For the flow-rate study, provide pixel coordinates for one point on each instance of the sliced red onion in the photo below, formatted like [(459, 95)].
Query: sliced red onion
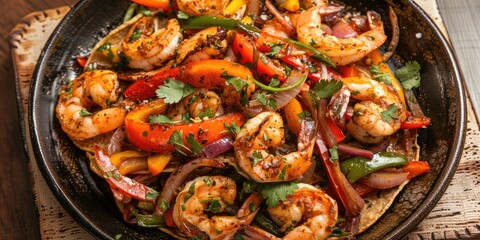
[(355, 151), (176, 179), (115, 144), (343, 30), (384, 180), (324, 72), (283, 98), (338, 104), (217, 148), (395, 35)]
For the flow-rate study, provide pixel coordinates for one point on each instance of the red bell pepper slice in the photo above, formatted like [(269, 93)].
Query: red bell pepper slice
[(145, 88), (121, 183), (155, 137), (416, 168), (415, 123), (207, 73), (168, 217), (335, 130), (244, 49), (349, 71), (81, 61)]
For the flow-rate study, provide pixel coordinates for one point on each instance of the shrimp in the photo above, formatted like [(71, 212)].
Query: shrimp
[(146, 48), (202, 8), (340, 51), (312, 208), (207, 44), (211, 194), (265, 131), (201, 102), (379, 113), (95, 88)]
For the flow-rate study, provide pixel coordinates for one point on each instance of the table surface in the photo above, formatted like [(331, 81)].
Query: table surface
[(18, 219)]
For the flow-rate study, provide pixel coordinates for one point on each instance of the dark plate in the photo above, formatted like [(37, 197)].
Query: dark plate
[(65, 168)]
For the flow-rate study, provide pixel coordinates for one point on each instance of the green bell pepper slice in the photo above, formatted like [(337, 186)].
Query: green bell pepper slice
[(358, 167)]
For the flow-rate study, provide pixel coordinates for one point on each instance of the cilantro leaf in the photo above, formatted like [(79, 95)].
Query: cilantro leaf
[(207, 113), (159, 119), (247, 188), (409, 75), (233, 129), (190, 192), (303, 115), (276, 192), (275, 49), (237, 82), (388, 114), (173, 91), (256, 157), (326, 89), (176, 139), (378, 75), (164, 205), (195, 147), (274, 82), (268, 102), (215, 206)]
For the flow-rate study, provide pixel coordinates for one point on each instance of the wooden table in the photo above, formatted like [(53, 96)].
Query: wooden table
[(18, 218)]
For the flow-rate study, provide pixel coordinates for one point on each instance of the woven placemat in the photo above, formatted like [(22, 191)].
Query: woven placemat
[(457, 215)]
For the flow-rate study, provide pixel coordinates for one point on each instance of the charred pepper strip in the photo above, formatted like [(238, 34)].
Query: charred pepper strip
[(358, 167)]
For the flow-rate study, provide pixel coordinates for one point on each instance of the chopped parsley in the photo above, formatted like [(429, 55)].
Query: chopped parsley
[(191, 191), (173, 91), (388, 114), (164, 205), (252, 207), (303, 115), (209, 181), (409, 75), (176, 139), (274, 82), (276, 192), (151, 195)]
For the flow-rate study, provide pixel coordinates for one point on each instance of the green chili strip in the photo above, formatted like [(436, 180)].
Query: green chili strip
[(267, 224), (316, 54), (282, 89), (227, 23), (129, 13), (150, 221), (358, 167)]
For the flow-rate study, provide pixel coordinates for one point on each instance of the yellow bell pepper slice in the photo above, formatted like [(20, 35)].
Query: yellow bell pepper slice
[(292, 109), (158, 162)]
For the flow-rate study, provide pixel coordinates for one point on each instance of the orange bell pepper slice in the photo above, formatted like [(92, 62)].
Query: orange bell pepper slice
[(416, 168), (155, 137), (159, 4), (206, 74), (244, 49), (377, 59)]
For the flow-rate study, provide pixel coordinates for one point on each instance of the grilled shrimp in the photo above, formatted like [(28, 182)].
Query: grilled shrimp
[(266, 131), (209, 43), (379, 113), (309, 211), (202, 8), (210, 194), (340, 51), (95, 88), (146, 47), (200, 102)]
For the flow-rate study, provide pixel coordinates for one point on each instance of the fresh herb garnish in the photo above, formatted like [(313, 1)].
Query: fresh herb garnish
[(409, 75), (173, 91), (276, 192), (84, 113), (388, 114), (159, 119)]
